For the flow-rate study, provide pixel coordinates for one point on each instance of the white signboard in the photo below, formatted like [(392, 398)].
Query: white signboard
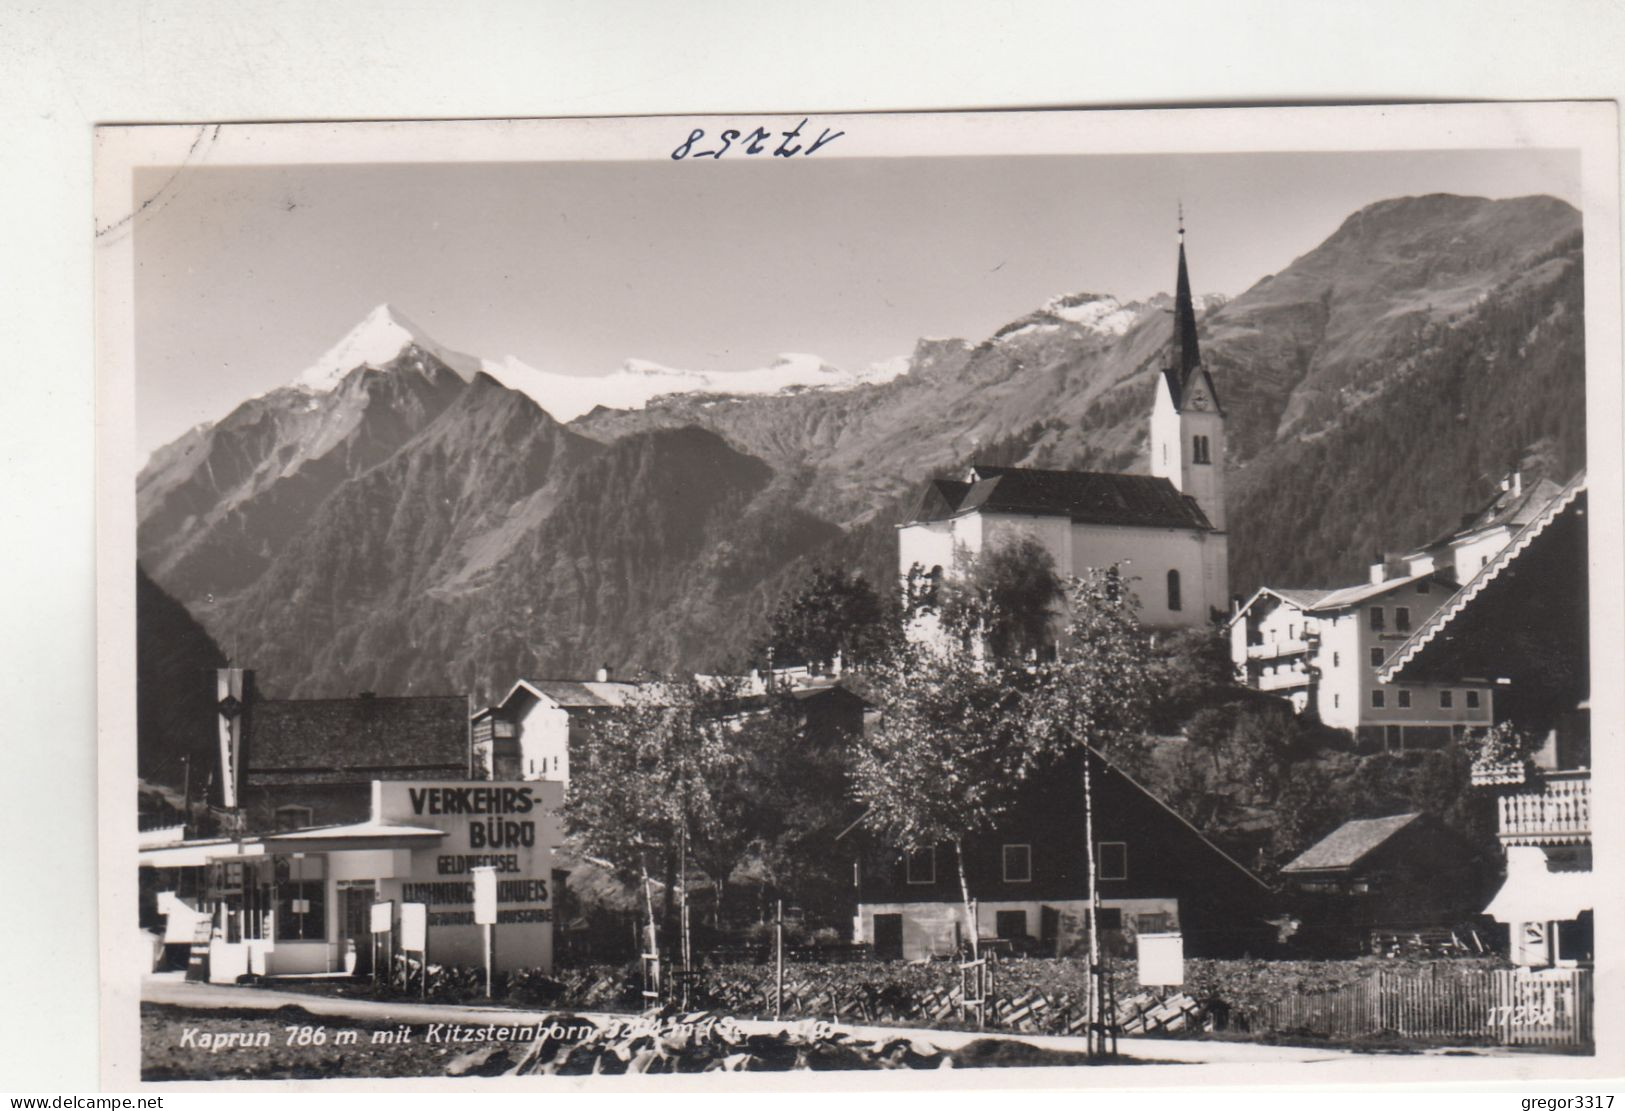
[(1161, 959), (509, 828), (414, 927), (485, 896), (383, 917)]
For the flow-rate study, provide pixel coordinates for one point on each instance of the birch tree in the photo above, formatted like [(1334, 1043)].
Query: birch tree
[(964, 726), (658, 778)]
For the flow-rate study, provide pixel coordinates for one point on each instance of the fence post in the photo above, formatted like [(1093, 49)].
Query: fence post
[(778, 949)]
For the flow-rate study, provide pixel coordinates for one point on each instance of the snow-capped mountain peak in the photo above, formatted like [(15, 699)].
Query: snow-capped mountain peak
[(382, 334), (386, 332), (638, 382), (1098, 312)]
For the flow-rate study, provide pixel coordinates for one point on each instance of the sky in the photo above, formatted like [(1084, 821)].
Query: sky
[(246, 275)]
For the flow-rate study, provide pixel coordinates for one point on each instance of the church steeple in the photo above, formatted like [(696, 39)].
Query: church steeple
[(1186, 355), (1187, 423)]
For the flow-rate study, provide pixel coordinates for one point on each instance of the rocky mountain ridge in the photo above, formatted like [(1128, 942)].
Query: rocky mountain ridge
[(416, 527)]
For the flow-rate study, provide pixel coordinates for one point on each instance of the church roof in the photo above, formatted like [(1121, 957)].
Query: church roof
[(1185, 354), (1087, 497)]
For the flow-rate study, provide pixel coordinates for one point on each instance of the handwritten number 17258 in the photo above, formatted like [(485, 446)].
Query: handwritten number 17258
[(753, 143)]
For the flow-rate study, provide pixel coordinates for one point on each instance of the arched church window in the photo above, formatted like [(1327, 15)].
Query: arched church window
[(1199, 450), (1174, 600)]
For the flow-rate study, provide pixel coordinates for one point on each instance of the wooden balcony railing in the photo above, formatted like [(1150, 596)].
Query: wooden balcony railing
[(1559, 812)]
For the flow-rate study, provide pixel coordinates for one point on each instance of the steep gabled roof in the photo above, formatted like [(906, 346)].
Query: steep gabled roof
[(1509, 508), (1349, 844), (575, 694), (1107, 767), (1535, 525), (357, 733), (1300, 597), (1364, 592), (1087, 497), (939, 500), (1304, 597)]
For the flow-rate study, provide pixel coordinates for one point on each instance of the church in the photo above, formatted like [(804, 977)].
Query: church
[(1166, 530)]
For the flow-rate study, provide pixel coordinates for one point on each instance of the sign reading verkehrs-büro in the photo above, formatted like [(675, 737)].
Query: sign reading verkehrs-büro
[(511, 828)]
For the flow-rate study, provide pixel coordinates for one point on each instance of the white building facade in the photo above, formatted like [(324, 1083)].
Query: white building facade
[(1330, 650), (1164, 531), (1325, 650)]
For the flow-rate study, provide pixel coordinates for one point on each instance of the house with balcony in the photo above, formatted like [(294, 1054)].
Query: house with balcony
[(1521, 623), (1324, 649), (1330, 650)]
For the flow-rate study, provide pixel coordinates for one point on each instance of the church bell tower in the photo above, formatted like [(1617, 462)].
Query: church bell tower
[(1187, 422)]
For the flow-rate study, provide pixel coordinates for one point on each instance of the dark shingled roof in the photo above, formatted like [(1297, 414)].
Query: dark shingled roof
[(1509, 508), (369, 733), (585, 693), (1349, 844), (1087, 497)]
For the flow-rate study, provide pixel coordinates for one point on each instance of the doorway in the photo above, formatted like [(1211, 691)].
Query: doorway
[(889, 937), (356, 929)]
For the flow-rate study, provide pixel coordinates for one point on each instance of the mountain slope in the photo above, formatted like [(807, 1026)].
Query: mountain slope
[(217, 505), (175, 659), (413, 527)]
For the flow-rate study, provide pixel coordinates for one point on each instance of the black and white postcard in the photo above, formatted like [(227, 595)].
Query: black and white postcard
[(1100, 598)]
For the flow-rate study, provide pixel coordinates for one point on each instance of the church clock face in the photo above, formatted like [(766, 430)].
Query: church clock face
[(1198, 401)]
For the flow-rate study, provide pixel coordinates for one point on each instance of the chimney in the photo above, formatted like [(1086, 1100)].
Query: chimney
[(603, 673), (1379, 570)]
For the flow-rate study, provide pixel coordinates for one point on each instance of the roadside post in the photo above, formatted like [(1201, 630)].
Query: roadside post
[(485, 913), (778, 976), (415, 939), (382, 923)]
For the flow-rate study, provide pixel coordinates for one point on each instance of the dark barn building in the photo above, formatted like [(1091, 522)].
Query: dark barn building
[(1156, 874), (1378, 880)]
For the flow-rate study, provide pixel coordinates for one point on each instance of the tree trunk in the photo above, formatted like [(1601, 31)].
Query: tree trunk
[(1094, 1040), (964, 891), (668, 905), (649, 900)]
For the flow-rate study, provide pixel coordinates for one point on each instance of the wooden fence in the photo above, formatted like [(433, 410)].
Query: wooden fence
[(1500, 1006)]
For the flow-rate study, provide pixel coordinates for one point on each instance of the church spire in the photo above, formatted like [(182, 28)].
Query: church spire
[(1186, 356)]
